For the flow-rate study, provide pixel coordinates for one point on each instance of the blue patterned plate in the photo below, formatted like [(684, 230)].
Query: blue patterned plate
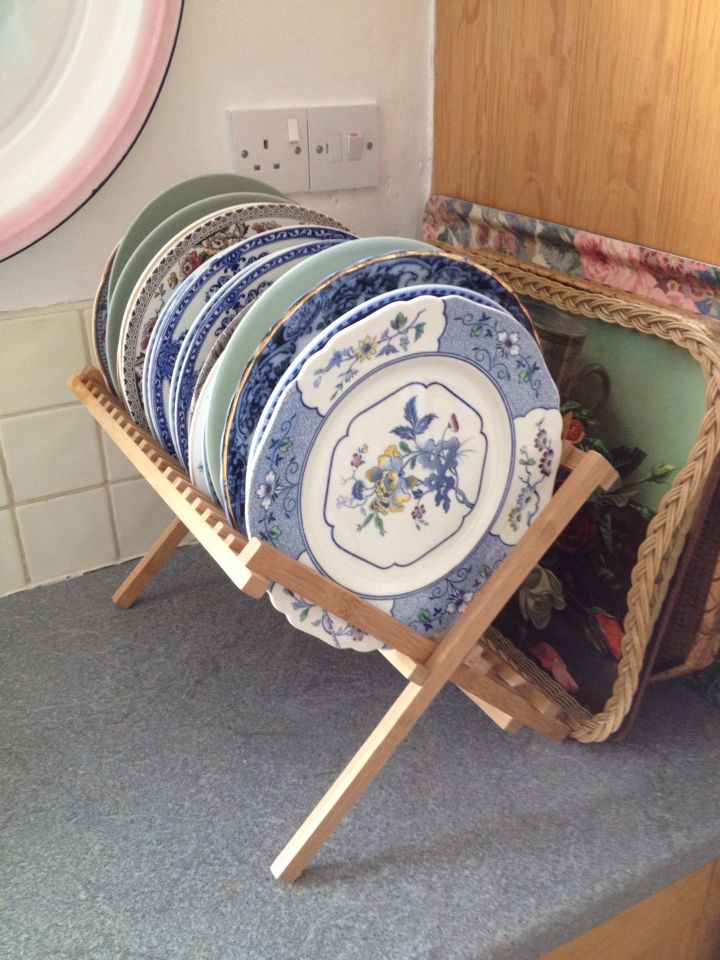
[(352, 316), (280, 353), (229, 302), (408, 457), (263, 315), (123, 287), (178, 315), (228, 221)]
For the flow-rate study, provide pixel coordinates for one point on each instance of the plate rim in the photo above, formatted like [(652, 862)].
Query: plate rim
[(528, 323), (164, 233), (98, 342), (149, 217)]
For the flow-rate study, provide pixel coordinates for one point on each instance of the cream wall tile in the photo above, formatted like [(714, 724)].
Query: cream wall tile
[(66, 535), (140, 516), (38, 354), (118, 465), (12, 576), (4, 495), (52, 452)]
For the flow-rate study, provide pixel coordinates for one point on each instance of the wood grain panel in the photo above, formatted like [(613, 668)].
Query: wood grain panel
[(680, 922), (594, 113)]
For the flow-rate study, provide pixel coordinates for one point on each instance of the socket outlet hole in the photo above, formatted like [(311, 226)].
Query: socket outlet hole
[(276, 166), (256, 166), (265, 145)]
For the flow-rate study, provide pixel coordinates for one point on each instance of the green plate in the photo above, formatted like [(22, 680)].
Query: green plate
[(659, 411), (144, 254), (174, 199), (656, 402), (267, 310)]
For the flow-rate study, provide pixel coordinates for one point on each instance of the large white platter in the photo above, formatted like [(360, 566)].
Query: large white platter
[(80, 78)]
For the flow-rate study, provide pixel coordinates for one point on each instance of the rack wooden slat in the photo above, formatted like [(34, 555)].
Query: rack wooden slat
[(459, 657)]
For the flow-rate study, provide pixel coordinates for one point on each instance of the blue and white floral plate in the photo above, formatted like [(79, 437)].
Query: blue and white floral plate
[(177, 316), (334, 296), (230, 301), (280, 356), (266, 312), (199, 410), (410, 454)]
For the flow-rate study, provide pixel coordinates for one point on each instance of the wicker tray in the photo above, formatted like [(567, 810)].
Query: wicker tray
[(688, 637)]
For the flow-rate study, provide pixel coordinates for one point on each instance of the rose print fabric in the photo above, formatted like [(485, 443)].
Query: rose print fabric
[(670, 279)]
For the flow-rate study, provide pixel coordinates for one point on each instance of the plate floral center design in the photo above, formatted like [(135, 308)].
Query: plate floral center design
[(410, 459)]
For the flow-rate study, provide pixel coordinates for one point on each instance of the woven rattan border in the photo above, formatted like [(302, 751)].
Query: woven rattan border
[(659, 551)]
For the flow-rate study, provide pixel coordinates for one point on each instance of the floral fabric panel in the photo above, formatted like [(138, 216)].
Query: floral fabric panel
[(670, 279)]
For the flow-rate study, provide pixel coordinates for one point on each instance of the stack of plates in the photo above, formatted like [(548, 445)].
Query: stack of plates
[(375, 408)]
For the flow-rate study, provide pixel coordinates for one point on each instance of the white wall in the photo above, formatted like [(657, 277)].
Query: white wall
[(235, 53), (68, 500)]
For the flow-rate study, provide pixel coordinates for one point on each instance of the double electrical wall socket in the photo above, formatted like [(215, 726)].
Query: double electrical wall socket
[(344, 146), (304, 149), (272, 145)]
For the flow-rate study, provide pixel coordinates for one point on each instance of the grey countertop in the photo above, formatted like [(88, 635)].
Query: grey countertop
[(156, 760)]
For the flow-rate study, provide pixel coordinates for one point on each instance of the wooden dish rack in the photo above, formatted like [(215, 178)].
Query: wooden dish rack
[(460, 656)]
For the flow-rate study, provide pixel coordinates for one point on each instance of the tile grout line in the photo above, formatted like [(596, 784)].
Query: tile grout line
[(48, 409), (48, 497), (14, 520), (108, 496), (32, 584), (80, 309), (6, 477), (65, 576), (27, 313)]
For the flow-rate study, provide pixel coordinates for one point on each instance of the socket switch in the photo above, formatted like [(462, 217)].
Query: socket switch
[(344, 146), (272, 145)]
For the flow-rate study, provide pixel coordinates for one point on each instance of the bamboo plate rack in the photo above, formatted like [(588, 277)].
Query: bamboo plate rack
[(459, 657)]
